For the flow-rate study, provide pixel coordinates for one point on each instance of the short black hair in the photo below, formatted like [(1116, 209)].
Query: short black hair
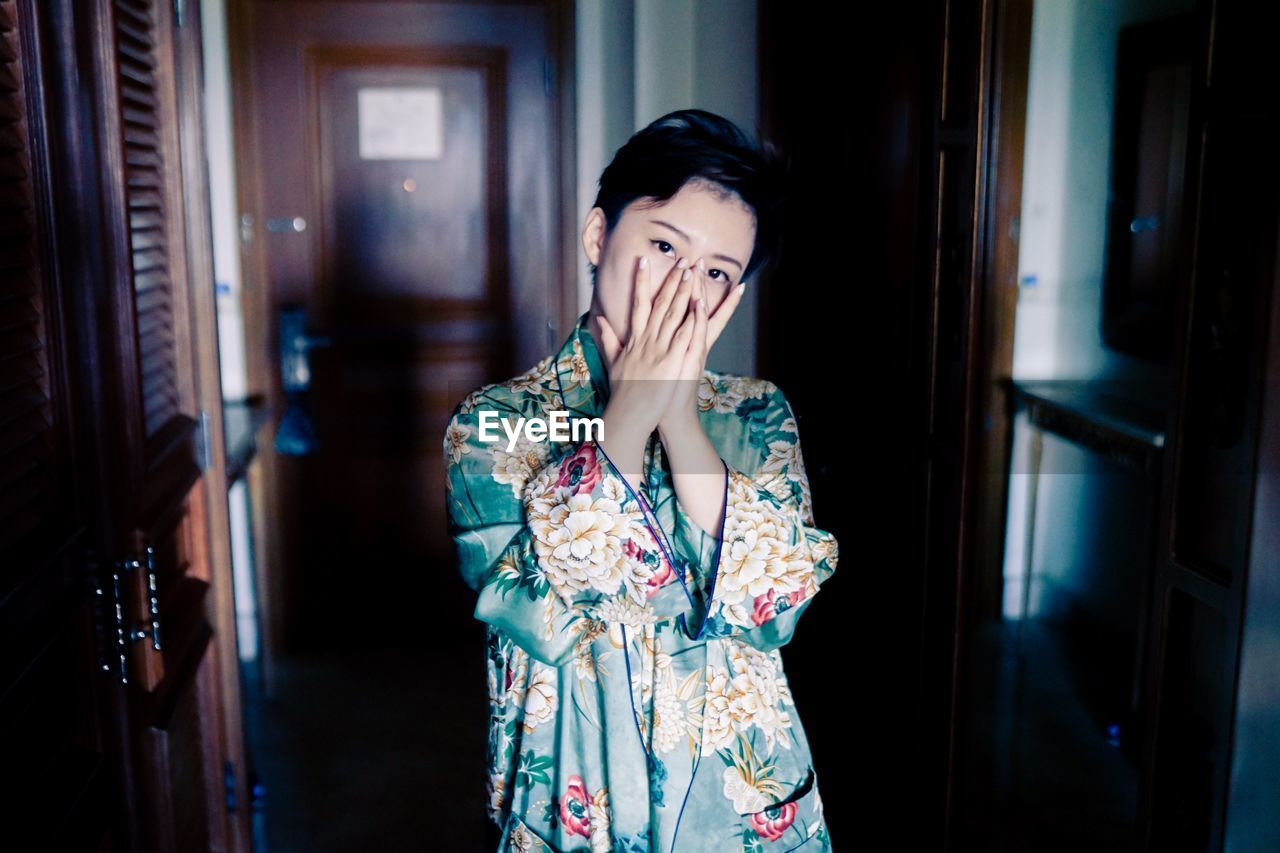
[(698, 145)]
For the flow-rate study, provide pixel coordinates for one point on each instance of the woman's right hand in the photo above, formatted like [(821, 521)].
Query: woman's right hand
[(644, 371)]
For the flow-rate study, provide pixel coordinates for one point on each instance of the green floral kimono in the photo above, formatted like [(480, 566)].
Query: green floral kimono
[(637, 696)]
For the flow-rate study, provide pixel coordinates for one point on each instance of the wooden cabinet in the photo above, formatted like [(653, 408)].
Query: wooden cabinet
[(120, 674)]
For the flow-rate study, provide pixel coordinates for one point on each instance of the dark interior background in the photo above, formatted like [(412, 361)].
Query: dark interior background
[(847, 342)]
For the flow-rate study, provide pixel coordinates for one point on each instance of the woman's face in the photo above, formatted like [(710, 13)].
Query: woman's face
[(700, 221)]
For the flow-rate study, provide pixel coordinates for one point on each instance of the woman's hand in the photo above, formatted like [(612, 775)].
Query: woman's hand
[(682, 408), (697, 470), (644, 372)]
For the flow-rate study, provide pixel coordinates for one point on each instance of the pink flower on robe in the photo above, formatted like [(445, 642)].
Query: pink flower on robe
[(773, 821), (581, 471), (662, 573), (767, 608), (575, 812)]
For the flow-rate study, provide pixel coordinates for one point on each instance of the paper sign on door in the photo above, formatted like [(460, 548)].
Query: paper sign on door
[(401, 123)]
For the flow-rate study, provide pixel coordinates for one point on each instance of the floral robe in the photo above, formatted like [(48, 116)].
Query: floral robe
[(637, 696)]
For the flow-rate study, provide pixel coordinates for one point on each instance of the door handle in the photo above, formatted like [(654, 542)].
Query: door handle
[(296, 433), (295, 345), (286, 225)]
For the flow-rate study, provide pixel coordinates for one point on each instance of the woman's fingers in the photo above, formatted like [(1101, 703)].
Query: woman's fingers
[(677, 309), (693, 288), (700, 343), (700, 335), (662, 299), (684, 335)]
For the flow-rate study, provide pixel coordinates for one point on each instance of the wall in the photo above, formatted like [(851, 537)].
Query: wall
[(1090, 513), (226, 271), (1070, 99)]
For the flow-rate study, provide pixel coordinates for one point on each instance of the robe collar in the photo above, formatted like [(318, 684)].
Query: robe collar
[(581, 378)]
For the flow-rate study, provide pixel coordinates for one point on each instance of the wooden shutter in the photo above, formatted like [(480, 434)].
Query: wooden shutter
[(145, 85), (177, 689)]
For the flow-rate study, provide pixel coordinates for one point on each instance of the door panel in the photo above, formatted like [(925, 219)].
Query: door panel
[(181, 772), (1200, 592), (412, 229), (111, 697), (1212, 473)]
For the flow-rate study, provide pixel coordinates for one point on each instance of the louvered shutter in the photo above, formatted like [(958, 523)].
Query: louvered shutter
[(152, 226)]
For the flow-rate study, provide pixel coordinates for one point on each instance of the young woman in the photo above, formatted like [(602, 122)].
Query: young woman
[(638, 584)]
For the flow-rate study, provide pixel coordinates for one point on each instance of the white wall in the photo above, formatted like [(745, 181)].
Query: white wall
[(1070, 99), (640, 59), (222, 189), (226, 270), (1087, 511)]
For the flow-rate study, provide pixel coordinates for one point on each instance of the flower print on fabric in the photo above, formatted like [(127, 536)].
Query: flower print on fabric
[(637, 696)]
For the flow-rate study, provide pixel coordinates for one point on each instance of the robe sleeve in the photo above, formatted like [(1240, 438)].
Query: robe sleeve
[(553, 539), (769, 559)]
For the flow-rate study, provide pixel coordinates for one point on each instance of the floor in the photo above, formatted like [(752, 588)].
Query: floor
[(384, 750), (1046, 772), (371, 750)]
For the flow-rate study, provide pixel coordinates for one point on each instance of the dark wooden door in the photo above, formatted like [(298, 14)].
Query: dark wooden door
[(934, 149), (55, 708), (158, 486), (115, 682), (1221, 422), (408, 158)]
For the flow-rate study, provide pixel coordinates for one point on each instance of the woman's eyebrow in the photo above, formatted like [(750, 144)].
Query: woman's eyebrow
[(685, 237)]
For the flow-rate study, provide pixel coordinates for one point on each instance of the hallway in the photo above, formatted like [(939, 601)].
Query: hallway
[(1027, 323), (1045, 776), (350, 751)]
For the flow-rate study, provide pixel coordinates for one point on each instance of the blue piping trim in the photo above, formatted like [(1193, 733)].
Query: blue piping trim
[(626, 644), (693, 772), (626, 651), (651, 518), (702, 629), (649, 761), (648, 513)]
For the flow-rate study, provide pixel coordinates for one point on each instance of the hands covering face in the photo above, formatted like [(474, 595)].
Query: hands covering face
[(671, 334)]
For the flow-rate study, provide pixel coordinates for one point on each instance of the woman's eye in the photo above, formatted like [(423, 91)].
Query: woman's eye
[(664, 246)]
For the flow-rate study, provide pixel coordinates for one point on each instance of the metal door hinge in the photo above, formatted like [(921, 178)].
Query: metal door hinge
[(117, 624)]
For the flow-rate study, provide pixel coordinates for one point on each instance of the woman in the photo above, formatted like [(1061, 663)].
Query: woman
[(637, 584)]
